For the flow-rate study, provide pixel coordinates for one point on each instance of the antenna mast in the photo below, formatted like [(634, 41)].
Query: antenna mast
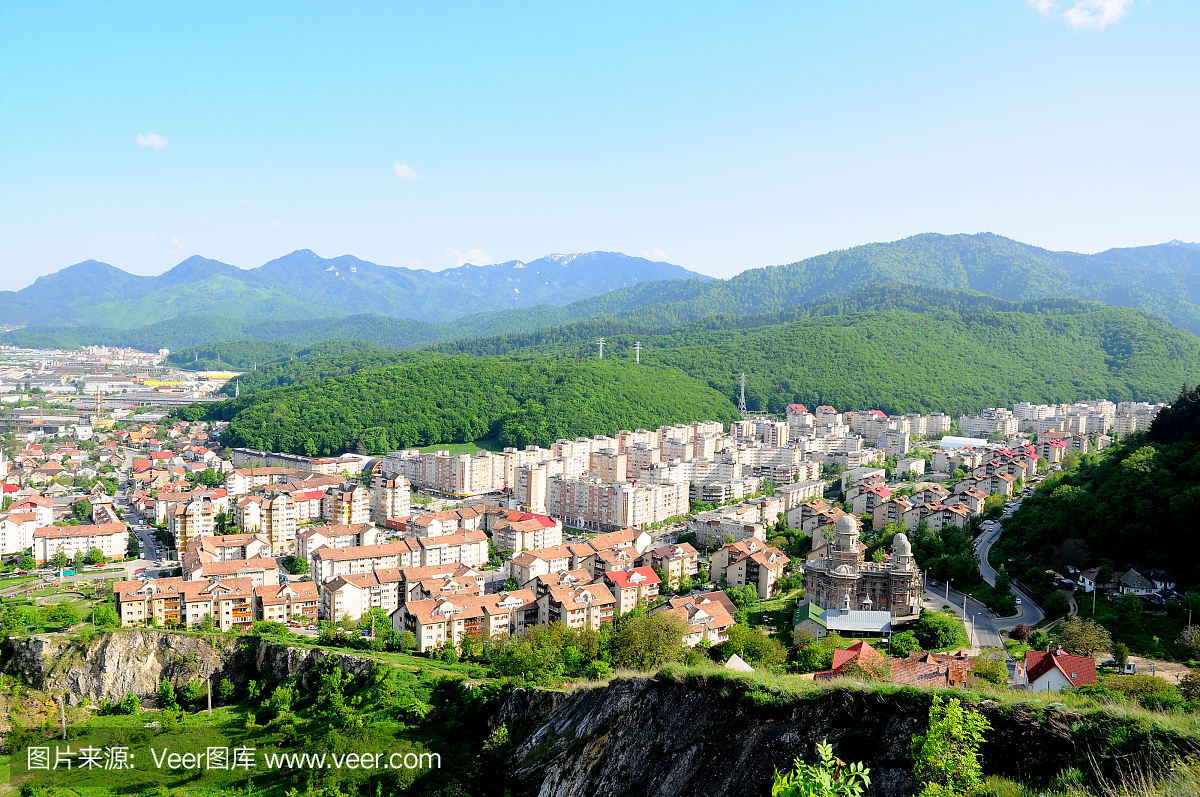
[(601, 342), (637, 351), (742, 400)]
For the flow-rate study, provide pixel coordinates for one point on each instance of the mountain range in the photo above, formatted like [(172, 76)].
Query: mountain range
[(303, 285), (479, 301)]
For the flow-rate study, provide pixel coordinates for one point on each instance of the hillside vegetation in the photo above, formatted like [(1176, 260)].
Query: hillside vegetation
[(978, 352), (456, 399), (1135, 505)]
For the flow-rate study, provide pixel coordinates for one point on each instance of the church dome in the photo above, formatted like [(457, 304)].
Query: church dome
[(844, 570), (901, 545), (847, 524)]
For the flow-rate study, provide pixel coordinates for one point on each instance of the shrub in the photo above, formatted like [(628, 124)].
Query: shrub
[(1038, 640), (940, 630), (1020, 632), (165, 697), (947, 757), (903, 644), (225, 690), (828, 778)]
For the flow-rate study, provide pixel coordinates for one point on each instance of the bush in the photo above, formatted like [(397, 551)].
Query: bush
[(597, 671), (225, 690), (946, 759), (1020, 632), (828, 778), (165, 697), (1038, 640), (1057, 605), (903, 644), (940, 630)]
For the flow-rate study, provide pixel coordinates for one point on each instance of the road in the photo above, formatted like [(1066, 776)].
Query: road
[(1027, 611)]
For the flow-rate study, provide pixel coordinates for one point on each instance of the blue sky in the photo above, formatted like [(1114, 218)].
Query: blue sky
[(717, 137)]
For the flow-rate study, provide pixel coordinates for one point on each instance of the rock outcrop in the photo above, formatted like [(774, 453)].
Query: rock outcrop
[(112, 665), (716, 738)]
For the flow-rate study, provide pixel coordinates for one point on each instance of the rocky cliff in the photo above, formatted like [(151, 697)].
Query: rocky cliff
[(110, 666), (718, 738)]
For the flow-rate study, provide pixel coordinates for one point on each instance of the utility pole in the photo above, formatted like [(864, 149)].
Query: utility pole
[(601, 342), (637, 351), (742, 400), (62, 708), (209, 684)]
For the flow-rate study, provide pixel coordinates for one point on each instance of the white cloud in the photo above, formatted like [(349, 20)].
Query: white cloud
[(1098, 14), (152, 140), (174, 242), (406, 172), (655, 254), (276, 224), (476, 257)]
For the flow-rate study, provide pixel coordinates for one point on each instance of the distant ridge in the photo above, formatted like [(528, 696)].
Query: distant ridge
[(302, 285)]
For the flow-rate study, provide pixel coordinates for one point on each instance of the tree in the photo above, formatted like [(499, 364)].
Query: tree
[(1020, 632), (27, 562), (510, 584), (1120, 654), (946, 759), (81, 510), (991, 666), (743, 597), (828, 778), (940, 630), (646, 643), (209, 478), (296, 565), (1190, 639), (165, 697), (95, 557), (993, 506), (132, 546), (105, 616), (130, 704), (1081, 637), (63, 614), (405, 641), (225, 690), (903, 644), (60, 560), (1057, 604), (1038, 640), (1129, 611)]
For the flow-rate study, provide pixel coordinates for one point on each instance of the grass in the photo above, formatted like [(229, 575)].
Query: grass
[(1016, 649), (463, 448), (779, 611)]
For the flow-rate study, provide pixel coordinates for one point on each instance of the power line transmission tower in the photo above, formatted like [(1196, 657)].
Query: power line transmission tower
[(637, 351), (601, 342), (742, 399)]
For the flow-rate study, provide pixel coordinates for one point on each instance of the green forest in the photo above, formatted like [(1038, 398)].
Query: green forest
[(1135, 505), (252, 353), (459, 399), (896, 360)]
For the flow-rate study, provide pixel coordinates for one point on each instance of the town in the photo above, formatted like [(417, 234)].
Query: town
[(798, 544)]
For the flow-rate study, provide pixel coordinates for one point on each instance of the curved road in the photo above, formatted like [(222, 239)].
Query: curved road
[(1027, 612)]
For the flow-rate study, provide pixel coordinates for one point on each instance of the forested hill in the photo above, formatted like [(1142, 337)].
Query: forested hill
[(984, 354), (455, 399)]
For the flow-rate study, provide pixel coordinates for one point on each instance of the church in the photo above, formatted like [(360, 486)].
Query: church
[(840, 578)]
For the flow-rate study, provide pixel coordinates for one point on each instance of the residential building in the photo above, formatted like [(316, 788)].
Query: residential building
[(173, 601), (347, 504), (282, 603), (588, 606), (749, 562), (111, 538), (673, 561), (1055, 671), (390, 496), (445, 621), (632, 586), (314, 537), (705, 617)]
